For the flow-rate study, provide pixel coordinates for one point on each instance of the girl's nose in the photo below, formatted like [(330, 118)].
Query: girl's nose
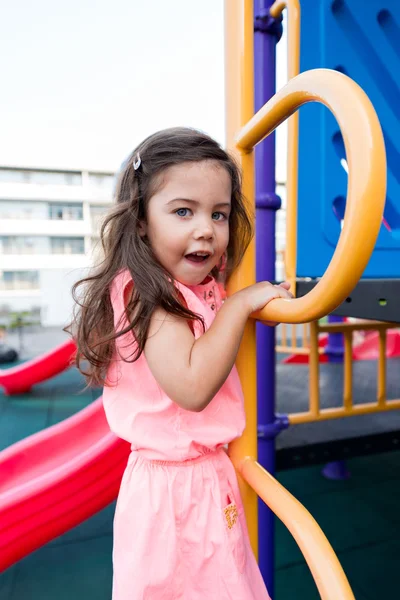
[(204, 230)]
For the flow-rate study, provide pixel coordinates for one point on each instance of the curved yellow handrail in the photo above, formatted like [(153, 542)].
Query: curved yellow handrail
[(293, 61), (366, 192), (321, 559)]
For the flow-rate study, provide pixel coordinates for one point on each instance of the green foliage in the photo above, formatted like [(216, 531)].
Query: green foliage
[(22, 318)]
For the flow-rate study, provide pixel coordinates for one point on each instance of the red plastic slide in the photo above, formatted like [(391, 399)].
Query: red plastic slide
[(54, 479), (20, 379), (368, 349)]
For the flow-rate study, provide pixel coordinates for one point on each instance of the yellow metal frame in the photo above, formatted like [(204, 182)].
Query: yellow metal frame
[(293, 56), (310, 348), (315, 413), (289, 343), (365, 202)]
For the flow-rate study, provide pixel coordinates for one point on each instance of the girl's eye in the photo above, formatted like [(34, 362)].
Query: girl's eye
[(182, 212), (219, 216)]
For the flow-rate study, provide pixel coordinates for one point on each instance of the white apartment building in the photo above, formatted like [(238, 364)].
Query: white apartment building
[(49, 223)]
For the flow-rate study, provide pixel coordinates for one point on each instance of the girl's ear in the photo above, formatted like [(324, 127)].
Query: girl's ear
[(142, 229)]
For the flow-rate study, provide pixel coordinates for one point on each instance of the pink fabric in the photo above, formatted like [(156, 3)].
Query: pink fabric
[(179, 529)]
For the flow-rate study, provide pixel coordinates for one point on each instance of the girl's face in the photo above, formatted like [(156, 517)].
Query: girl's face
[(188, 219)]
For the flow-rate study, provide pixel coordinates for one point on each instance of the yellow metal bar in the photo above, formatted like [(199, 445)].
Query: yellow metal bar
[(293, 34), (325, 568), (381, 391), (305, 336), (327, 414), (366, 159), (298, 350), (294, 337), (348, 371), (363, 326), (314, 369), (293, 53), (284, 334), (239, 26)]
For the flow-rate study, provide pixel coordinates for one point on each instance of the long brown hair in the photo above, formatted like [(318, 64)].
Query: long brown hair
[(123, 248)]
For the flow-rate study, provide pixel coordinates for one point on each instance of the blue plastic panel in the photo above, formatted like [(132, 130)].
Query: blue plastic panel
[(360, 38)]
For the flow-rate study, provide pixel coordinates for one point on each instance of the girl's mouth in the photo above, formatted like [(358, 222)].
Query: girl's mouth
[(197, 257)]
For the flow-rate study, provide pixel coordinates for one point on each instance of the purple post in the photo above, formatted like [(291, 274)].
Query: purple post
[(335, 347), (336, 470), (267, 32), (335, 351)]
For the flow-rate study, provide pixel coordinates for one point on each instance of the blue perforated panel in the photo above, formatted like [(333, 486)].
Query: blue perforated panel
[(361, 38)]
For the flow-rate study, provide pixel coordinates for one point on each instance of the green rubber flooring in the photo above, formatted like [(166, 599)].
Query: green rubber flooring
[(360, 517)]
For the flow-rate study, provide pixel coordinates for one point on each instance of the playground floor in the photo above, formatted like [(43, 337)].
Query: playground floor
[(360, 517)]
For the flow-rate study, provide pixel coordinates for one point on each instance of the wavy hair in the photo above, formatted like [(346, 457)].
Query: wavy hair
[(92, 324)]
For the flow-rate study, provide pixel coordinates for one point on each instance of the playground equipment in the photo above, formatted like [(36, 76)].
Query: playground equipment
[(359, 39), (368, 347), (54, 479), (315, 413), (349, 259), (20, 379), (314, 215)]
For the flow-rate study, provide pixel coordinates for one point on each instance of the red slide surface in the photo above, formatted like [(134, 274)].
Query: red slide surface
[(368, 349), (54, 479), (20, 379)]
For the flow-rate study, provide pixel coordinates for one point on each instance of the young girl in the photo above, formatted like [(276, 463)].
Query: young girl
[(155, 330)]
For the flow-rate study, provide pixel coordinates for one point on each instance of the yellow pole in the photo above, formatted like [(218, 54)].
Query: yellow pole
[(293, 53), (240, 109), (314, 369), (348, 371), (382, 368)]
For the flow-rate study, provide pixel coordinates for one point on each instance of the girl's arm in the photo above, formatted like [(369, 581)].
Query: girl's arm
[(192, 371)]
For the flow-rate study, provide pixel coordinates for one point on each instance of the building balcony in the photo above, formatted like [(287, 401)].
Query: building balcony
[(26, 262), (48, 227)]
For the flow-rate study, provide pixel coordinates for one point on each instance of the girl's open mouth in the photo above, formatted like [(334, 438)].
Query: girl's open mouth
[(197, 257)]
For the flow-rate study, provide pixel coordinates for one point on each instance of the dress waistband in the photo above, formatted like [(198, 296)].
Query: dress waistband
[(136, 454)]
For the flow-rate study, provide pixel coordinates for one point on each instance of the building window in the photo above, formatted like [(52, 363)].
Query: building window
[(24, 244), (19, 280), (67, 245), (66, 212), (40, 177), (23, 209), (14, 176)]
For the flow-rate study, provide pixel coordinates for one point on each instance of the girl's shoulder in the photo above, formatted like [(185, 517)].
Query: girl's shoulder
[(120, 281), (120, 290)]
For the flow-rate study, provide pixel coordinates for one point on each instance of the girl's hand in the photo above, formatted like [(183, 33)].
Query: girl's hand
[(257, 296)]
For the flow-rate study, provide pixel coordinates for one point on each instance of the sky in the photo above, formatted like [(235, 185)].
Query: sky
[(84, 81)]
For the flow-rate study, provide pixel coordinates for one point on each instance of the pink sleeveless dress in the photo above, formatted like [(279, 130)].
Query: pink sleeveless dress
[(179, 529)]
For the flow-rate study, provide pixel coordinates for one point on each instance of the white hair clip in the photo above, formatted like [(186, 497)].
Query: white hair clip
[(137, 161)]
